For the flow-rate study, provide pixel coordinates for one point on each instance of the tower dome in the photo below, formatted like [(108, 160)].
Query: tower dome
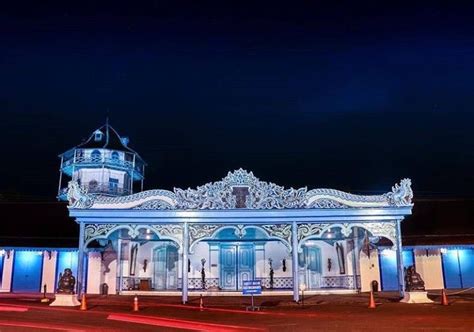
[(104, 165)]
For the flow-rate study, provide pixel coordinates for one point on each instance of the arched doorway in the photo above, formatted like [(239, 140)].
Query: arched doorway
[(309, 263), (233, 254), (135, 258), (237, 262), (165, 262)]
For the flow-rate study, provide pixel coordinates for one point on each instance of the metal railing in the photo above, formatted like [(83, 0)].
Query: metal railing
[(82, 158)]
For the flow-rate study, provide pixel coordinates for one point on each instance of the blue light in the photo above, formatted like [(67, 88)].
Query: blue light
[(27, 257)]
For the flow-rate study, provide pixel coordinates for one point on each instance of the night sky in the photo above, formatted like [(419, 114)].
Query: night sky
[(352, 97)]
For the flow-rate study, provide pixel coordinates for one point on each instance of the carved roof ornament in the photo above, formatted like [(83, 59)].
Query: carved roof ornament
[(402, 194), (78, 197), (241, 189)]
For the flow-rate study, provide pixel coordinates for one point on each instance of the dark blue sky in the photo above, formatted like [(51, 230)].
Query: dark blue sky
[(353, 97)]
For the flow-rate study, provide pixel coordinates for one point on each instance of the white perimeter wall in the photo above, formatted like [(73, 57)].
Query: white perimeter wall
[(369, 270), (7, 272), (104, 269), (48, 277), (95, 276), (203, 250), (428, 265)]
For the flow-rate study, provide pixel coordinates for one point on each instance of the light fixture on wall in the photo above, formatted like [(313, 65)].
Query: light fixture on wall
[(329, 234)]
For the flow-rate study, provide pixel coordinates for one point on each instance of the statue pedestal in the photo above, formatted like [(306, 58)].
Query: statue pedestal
[(65, 300), (416, 297)]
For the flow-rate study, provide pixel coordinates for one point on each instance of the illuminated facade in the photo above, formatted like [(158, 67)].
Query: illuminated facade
[(220, 234), (212, 238)]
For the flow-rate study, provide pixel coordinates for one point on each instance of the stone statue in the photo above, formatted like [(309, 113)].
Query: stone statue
[(413, 281), (66, 282)]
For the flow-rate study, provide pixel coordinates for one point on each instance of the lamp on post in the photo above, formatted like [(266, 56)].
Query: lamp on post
[(302, 289)]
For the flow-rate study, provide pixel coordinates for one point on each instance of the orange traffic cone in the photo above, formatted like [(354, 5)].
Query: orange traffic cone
[(444, 298), (135, 304), (372, 301), (201, 304), (83, 302)]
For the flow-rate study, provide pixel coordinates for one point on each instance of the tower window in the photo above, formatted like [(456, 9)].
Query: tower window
[(115, 155), (98, 136), (92, 184), (113, 185), (95, 155)]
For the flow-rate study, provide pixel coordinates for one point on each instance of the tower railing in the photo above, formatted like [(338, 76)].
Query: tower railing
[(80, 158)]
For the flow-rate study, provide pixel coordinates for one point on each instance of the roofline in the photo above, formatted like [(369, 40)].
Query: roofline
[(107, 125), (241, 216)]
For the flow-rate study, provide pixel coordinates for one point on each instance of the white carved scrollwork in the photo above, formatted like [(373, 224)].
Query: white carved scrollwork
[(281, 231), (240, 177), (240, 231), (169, 231), (252, 194), (211, 196), (134, 231), (198, 231), (315, 230), (326, 203), (219, 195), (137, 197), (156, 204), (92, 231), (346, 229), (271, 196), (383, 229)]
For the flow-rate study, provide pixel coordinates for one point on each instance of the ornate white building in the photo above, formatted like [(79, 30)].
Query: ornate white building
[(218, 235)]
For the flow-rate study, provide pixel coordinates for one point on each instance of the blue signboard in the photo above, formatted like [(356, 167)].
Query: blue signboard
[(252, 287)]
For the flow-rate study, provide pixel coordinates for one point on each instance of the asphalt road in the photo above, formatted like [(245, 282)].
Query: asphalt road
[(327, 313)]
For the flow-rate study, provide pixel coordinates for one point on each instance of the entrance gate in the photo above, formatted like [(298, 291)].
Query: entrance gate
[(237, 263)]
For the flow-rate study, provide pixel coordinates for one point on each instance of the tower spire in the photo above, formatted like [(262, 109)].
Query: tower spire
[(107, 117)]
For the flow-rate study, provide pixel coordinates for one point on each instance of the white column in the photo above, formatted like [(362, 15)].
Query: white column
[(80, 262), (48, 277), (94, 273), (294, 250), (7, 271), (185, 263), (119, 269), (355, 255), (401, 276)]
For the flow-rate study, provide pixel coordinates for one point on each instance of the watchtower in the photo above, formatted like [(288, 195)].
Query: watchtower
[(104, 165)]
